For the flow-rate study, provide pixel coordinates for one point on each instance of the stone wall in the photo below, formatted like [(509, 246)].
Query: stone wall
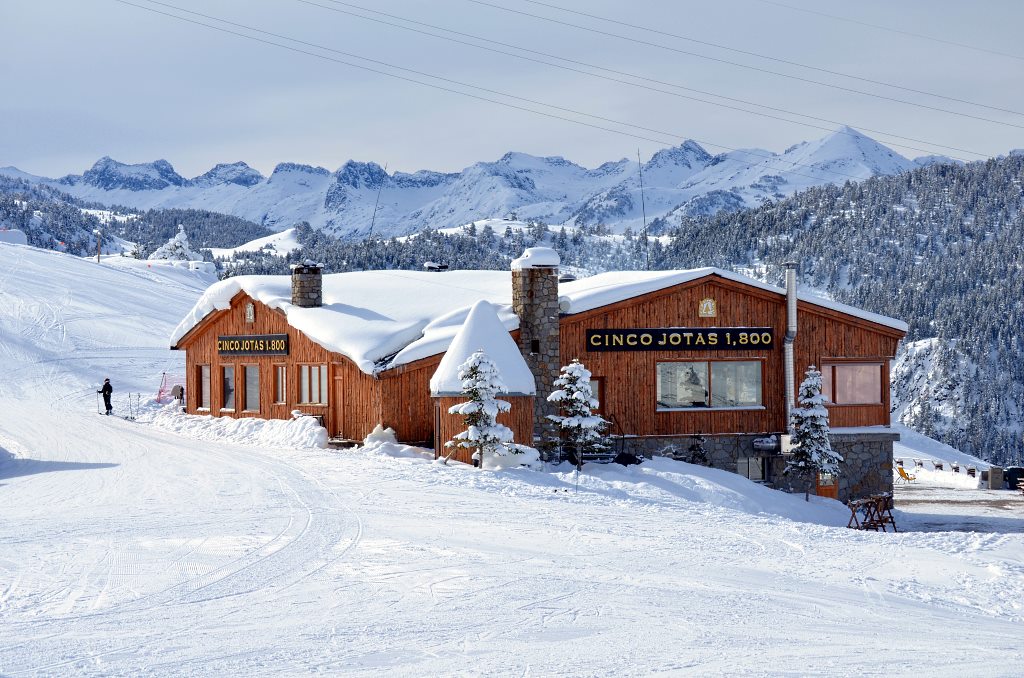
[(535, 301), (307, 286)]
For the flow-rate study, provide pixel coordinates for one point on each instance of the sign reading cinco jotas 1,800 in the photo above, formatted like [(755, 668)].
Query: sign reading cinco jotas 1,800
[(681, 339), (253, 344)]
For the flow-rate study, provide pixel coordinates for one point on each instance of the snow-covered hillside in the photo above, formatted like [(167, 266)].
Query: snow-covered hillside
[(360, 197), (178, 545)]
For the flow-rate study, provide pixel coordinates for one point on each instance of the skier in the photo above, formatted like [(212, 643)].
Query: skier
[(106, 391)]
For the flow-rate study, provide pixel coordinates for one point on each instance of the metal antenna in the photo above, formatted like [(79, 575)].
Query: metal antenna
[(373, 219), (643, 207)]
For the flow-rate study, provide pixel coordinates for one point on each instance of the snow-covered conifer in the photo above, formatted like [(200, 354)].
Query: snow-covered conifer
[(481, 382), (176, 249), (581, 428), (812, 451)]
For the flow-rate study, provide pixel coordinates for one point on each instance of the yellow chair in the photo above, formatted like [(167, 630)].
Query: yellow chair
[(904, 476)]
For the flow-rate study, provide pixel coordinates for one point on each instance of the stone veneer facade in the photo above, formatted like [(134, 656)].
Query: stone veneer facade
[(866, 468), (535, 301), (307, 286)]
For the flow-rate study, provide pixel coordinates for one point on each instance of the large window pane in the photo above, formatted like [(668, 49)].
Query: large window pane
[(252, 387), (858, 384), (229, 387), (736, 384), (682, 385), (323, 384), (204, 386)]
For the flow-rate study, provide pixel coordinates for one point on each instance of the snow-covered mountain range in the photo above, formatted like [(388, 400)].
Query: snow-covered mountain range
[(685, 179)]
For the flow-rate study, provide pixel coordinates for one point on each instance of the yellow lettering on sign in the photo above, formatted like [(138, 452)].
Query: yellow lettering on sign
[(712, 338), (630, 340), (595, 340), (646, 339)]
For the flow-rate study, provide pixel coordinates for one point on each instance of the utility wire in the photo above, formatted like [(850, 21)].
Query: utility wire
[(890, 29), (672, 135), (752, 68), (771, 58), (488, 48)]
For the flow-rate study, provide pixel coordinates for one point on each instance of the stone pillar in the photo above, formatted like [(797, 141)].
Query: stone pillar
[(535, 301), (307, 285)]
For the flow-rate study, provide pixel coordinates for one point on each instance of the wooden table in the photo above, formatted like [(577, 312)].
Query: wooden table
[(872, 513)]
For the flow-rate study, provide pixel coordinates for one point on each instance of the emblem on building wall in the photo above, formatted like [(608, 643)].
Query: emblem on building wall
[(708, 308)]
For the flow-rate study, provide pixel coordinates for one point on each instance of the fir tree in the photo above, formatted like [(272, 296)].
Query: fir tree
[(581, 429), (812, 451), (481, 382), (176, 249)]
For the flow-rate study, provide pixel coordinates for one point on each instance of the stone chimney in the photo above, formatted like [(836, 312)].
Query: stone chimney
[(535, 301), (307, 284)]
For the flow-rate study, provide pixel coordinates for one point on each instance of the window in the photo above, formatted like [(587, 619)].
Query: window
[(280, 384), (313, 384), (752, 468), (682, 385), (204, 387), (252, 388), (596, 391), (852, 383), (229, 387)]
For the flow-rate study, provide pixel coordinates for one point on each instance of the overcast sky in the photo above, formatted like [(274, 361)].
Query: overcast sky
[(88, 78)]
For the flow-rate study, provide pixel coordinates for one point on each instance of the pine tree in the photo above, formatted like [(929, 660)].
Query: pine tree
[(812, 451), (176, 249), (481, 382), (581, 429)]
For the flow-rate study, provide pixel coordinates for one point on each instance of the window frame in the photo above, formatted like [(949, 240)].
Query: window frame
[(205, 390), (245, 387), (305, 384), (280, 384), (832, 363), (598, 394), (234, 388), (711, 388)]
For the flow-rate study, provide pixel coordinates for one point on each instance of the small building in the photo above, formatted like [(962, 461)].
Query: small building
[(673, 354)]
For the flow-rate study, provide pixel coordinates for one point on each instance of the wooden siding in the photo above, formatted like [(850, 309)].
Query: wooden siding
[(629, 381), (400, 398), (519, 419)]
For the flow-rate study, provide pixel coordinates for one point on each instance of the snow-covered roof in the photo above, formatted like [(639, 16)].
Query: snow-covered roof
[(384, 319), (483, 330)]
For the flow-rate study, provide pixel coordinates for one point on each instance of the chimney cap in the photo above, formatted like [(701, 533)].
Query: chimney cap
[(537, 257), (307, 263), (789, 265)]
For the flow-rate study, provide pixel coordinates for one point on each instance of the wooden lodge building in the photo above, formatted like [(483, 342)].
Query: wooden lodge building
[(673, 354)]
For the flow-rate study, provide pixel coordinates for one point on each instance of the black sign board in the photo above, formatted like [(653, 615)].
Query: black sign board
[(682, 339), (253, 344)]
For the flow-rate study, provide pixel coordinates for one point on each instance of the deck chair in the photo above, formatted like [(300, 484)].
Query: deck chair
[(904, 476)]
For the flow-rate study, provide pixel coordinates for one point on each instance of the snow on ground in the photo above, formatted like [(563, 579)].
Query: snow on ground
[(165, 548)]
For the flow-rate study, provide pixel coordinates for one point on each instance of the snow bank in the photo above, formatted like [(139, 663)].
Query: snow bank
[(303, 432), (659, 483)]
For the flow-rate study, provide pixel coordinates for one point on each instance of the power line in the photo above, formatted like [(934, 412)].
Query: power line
[(753, 68), (890, 29), (488, 48), (671, 135), (771, 58)]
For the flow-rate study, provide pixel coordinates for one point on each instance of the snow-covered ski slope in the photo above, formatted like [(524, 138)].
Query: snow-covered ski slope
[(143, 548)]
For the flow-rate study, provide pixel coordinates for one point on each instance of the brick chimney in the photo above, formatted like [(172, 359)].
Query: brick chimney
[(307, 284), (535, 301)]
